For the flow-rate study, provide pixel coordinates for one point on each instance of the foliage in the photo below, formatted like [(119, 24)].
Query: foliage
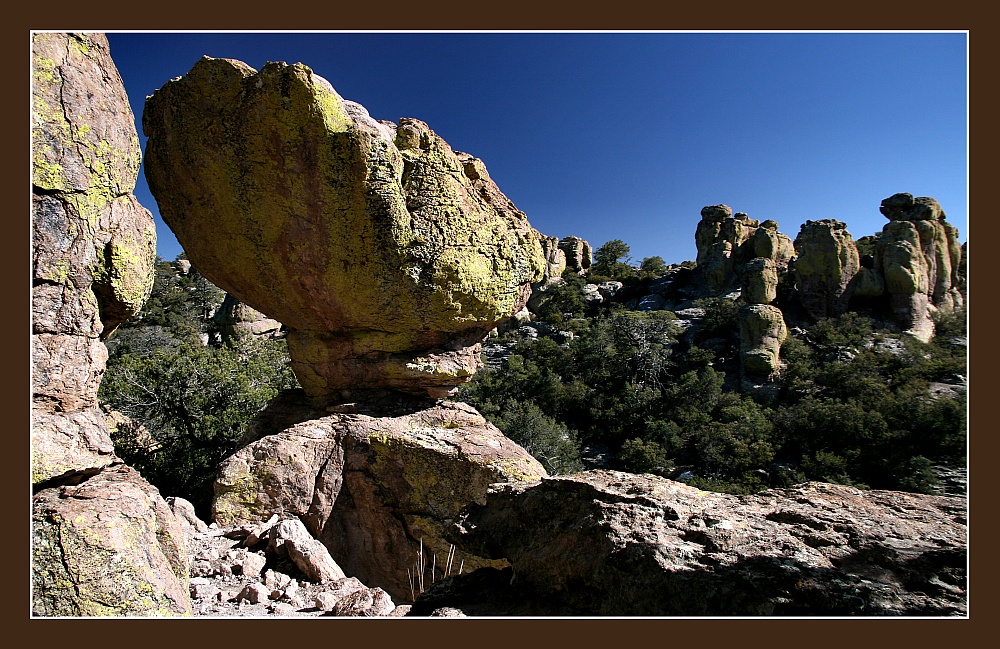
[(612, 260)]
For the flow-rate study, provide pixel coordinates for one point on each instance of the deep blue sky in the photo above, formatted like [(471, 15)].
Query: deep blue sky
[(628, 135)]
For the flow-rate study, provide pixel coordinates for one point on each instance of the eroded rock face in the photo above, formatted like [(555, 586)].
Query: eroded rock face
[(387, 255), (555, 257), (103, 540), (370, 487), (827, 262), (920, 259), (609, 543)]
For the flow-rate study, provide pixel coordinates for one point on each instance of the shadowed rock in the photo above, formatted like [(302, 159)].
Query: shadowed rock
[(610, 543), (387, 255), (827, 262)]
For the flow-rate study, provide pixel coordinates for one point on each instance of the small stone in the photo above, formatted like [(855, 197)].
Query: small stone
[(325, 601), (254, 593)]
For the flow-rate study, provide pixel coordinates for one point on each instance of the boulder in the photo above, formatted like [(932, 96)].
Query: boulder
[(762, 330), (238, 321), (611, 543), (827, 262), (108, 546), (579, 254), (387, 255), (726, 241), (920, 259), (555, 257), (291, 538), (371, 487)]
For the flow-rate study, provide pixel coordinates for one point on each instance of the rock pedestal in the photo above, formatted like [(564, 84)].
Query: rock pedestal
[(387, 255)]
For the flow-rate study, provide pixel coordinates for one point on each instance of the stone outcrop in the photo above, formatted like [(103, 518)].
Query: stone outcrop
[(920, 259), (726, 241), (386, 254), (370, 487), (579, 254), (610, 543), (827, 262), (238, 321), (103, 540)]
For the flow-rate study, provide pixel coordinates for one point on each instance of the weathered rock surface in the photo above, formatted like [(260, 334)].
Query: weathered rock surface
[(827, 262), (103, 540), (555, 257), (370, 487), (762, 330), (919, 256), (238, 321), (760, 281), (609, 543), (387, 255), (108, 546)]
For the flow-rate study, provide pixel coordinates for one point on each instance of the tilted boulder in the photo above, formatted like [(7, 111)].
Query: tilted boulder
[(370, 487), (109, 546), (611, 543), (388, 256), (920, 258), (579, 254), (762, 330), (827, 262)]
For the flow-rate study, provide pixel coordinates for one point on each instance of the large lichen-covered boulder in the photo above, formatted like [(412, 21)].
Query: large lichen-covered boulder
[(612, 543), (104, 542), (760, 281), (920, 258), (387, 255), (762, 330), (109, 546), (370, 487), (827, 262)]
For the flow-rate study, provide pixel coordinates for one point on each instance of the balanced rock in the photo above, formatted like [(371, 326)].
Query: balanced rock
[(919, 257), (611, 543), (371, 488), (388, 256), (827, 262), (760, 281)]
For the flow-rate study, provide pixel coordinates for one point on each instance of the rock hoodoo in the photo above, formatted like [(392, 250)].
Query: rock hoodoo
[(387, 255), (827, 262), (726, 241), (579, 254), (919, 257), (103, 540)]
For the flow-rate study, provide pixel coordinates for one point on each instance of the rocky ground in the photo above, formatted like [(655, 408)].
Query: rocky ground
[(254, 571)]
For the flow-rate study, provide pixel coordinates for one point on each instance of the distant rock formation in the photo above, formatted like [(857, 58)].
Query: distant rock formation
[(762, 326), (373, 488), (555, 257), (611, 543), (827, 260), (387, 255), (919, 256), (103, 540), (237, 321), (725, 242), (579, 254)]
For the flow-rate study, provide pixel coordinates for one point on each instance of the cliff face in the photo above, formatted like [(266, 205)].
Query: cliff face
[(387, 255), (104, 542)]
